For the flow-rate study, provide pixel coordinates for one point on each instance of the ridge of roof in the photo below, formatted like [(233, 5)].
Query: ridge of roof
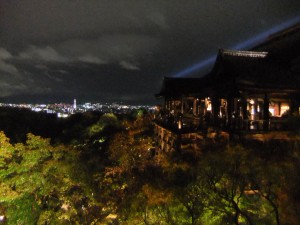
[(238, 53), (285, 32), (182, 78), (278, 36)]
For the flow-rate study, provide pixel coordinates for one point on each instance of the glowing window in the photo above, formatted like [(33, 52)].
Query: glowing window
[(208, 104), (284, 108)]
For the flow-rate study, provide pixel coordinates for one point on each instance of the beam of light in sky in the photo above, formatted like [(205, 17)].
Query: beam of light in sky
[(196, 67), (264, 35), (240, 46)]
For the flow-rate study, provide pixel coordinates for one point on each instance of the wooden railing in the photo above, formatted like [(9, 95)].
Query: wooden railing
[(192, 124)]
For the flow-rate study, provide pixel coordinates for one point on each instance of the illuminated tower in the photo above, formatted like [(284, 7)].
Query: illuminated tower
[(74, 105)]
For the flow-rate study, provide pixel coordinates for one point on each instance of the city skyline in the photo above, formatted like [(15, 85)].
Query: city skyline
[(55, 51), (64, 110)]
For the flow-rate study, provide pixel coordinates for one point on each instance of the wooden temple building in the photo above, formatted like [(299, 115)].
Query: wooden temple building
[(246, 91)]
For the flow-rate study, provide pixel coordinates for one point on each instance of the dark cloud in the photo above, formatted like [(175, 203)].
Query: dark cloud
[(101, 50), (46, 21), (5, 67)]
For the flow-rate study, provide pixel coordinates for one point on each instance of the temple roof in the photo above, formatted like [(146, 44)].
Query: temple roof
[(273, 66), (253, 69), (284, 47)]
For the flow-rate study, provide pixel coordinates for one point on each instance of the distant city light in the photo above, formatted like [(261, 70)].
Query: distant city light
[(63, 110)]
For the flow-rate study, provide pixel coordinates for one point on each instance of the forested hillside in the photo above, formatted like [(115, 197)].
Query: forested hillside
[(103, 169)]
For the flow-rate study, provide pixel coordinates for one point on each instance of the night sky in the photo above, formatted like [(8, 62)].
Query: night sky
[(120, 50)]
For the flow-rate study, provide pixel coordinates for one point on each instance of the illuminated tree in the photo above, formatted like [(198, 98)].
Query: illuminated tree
[(6, 151), (107, 124), (42, 184), (224, 191)]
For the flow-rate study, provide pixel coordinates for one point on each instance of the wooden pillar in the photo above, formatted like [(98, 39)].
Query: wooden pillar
[(201, 111), (266, 113), (255, 111), (235, 106), (182, 105), (172, 105), (279, 108), (195, 107), (297, 103), (230, 104), (215, 103), (167, 102), (244, 107), (244, 122), (294, 107), (261, 106)]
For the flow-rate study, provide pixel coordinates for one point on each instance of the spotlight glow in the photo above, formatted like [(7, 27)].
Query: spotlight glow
[(196, 67), (264, 35), (240, 46)]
